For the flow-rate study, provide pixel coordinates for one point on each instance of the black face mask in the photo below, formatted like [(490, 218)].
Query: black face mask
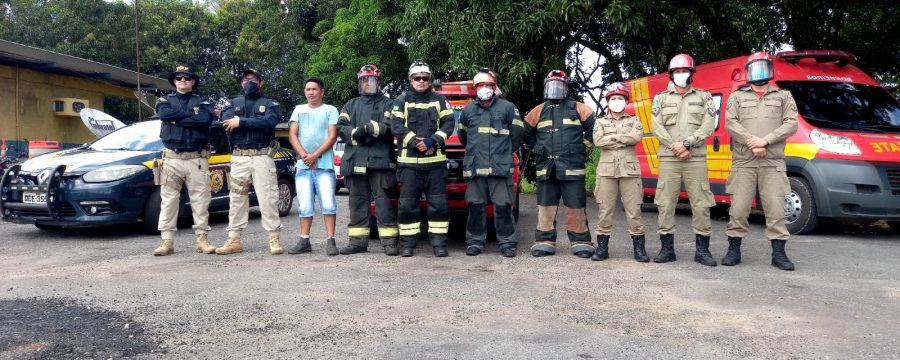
[(250, 88)]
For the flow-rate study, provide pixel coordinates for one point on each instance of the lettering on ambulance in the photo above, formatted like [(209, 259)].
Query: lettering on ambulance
[(885, 147)]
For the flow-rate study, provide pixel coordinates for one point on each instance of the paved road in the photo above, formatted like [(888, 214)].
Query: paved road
[(99, 294)]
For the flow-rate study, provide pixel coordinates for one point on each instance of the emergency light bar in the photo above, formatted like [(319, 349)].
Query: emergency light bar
[(840, 57)]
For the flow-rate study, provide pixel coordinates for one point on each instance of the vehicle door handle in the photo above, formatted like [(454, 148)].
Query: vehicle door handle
[(716, 143)]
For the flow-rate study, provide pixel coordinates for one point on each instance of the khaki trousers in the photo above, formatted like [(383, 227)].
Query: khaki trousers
[(174, 174), (258, 170), (605, 193), (696, 182), (772, 185)]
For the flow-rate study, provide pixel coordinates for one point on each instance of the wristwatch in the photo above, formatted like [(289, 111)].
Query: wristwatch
[(687, 144)]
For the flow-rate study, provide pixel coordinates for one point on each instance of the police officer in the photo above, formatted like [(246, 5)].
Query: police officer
[(491, 130), (369, 163), (759, 118), (184, 132), (559, 132), (251, 119), (683, 117), (421, 121), (618, 171)]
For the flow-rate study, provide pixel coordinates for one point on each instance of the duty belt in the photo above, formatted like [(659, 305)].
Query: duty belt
[(188, 155), (250, 152)]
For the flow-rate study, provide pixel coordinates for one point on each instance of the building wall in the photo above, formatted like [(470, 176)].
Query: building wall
[(26, 100)]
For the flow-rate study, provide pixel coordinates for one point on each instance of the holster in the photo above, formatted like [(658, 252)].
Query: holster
[(157, 171), (273, 148)]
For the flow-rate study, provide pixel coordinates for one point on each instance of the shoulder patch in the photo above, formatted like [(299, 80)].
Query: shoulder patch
[(396, 108), (710, 106), (657, 102)]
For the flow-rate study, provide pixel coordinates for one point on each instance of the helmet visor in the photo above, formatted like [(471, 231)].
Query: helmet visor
[(555, 90), (369, 85), (759, 70)]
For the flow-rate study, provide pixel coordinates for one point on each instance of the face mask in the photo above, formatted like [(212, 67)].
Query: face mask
[(485, 94), (681, 79), (250, 87), (617, 106)]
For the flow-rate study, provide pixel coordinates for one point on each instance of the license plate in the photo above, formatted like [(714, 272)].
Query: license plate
[(34, 198)]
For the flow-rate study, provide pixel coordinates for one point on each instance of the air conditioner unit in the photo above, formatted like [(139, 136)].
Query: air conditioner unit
[(69, 106)]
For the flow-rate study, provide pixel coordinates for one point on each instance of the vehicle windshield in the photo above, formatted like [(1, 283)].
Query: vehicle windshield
[(845, 106), (143, 136)]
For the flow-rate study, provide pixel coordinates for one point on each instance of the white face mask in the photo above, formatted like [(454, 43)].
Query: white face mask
[(617, 106), (681, 79), (485, 93)]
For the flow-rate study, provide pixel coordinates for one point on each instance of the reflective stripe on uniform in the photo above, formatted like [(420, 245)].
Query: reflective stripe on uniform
[(345, 116), (467, 173), (442, 134), (541, 172), (462, 127), (433, 104), (484, 130), (489, 130), (387, 232), (409, 229), (483, 171), (446, 112), (399, 114), (359, 169), (571, 122), (352, 138), (376, 129), (438, 227), (358, 231), (575, 172), (405, 159), (544, 123), (587, 143), (409, 136), (519, 123)]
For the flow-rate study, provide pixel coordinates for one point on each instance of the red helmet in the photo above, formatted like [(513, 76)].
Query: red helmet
[(368, 70), (557, 75), (760, 68), (681, 61), (618, 89), (556, 85)]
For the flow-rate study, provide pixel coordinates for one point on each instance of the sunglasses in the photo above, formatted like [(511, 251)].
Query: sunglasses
[(422, 78), (183, 78)]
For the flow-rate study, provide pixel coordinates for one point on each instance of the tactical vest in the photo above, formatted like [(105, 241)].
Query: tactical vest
[(181, 138), (248, 138)]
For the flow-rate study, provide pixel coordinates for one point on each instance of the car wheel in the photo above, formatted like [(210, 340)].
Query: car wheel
[(895, 226), (151, 213), (47, 227), (800, 212), (285, 197)]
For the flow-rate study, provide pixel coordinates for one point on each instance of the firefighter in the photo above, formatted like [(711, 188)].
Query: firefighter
[(559, 131), (369, 163), (184, 132), (759, 119), (618, 172), (421, 120), (491, 130), (250, 119), (683, 117)]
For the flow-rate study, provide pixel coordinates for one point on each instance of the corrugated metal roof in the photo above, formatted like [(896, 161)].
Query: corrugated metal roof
[(33, 58)]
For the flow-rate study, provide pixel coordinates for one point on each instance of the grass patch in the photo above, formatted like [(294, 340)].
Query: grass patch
[(528, 187)]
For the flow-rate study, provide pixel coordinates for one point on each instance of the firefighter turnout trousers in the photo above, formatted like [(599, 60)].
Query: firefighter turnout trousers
[(433, 183), (498, 191), (376, 184), (177, 170), (574, 197)]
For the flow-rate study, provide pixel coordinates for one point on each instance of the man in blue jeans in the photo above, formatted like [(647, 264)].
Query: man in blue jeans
[(313, 131)]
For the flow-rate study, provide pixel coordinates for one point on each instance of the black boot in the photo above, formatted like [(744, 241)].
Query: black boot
[(779, 258), (667, 250), (330, 247), (390, 246), (639, 253), (303, 246), (602, 252), (440, 251), (407, 252), (733, 256), (351, 249), (702, 255)]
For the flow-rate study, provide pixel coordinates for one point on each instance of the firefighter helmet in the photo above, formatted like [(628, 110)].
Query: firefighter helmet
[(681, 61), (369, 79), (760, 68), (419, 67), (556, 85), (618, 89)]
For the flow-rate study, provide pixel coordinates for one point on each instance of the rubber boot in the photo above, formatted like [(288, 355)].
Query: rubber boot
[(390, 246), (167, 247), (303, 246), (702, 255), (233, 245), (203, 245), (407, 252), (602, 252), (330, 247), (640, 254), (275, 245), (733, 256), (667, 249), (355, 246), (779, 257), (440, 251)]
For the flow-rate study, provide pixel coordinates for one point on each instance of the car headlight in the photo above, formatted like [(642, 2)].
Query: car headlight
[(112, 173), (834, 143)]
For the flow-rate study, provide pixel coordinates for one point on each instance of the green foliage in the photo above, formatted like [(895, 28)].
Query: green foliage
[(591, 171)]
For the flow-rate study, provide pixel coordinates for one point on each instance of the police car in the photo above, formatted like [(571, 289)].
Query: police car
[(110, 182)]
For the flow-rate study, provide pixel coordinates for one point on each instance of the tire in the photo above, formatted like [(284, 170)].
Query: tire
[(47, 227), (895, 226), (801, 216), (150, 222), (516, 208), (285, 197)]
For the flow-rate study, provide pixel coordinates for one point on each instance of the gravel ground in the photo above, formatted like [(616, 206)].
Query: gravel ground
[(100, 294)]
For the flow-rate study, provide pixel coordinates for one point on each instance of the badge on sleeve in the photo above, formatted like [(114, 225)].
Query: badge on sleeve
[(656, 104), (710, 107), (196, 110), (262, 108)]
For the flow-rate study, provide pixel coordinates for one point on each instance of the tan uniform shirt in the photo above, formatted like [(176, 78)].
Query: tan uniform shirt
[(771, 117), (617, 138), (677, 117)]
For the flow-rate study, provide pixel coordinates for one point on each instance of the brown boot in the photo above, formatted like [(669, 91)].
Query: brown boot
[(232, 246), (275, 245), (167, 247), (203, 245)]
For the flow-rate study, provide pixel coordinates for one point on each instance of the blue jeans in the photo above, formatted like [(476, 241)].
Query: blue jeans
[(312, 182)]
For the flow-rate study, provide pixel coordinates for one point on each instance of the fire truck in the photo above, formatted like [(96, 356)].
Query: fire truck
[(844, 161)]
